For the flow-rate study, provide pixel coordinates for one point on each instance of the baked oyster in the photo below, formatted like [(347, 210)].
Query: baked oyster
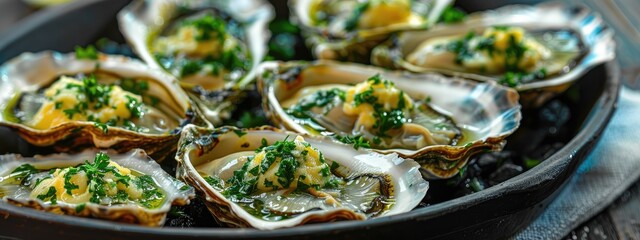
[(213, 47), (348, 30), (539, 50), (69, 103), (129, 187), (266, 178), (437, 121)]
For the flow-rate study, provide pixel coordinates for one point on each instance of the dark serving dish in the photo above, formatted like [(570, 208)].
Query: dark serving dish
[(495, 212)]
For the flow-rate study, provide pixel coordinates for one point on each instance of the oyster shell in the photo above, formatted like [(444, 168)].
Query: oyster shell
[(563, 44), (68, 118), (456, 118), (329, 181), (348, 30), (213, 47), (72, 187)]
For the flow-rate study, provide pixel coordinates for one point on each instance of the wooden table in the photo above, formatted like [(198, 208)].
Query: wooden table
[(621, 220)]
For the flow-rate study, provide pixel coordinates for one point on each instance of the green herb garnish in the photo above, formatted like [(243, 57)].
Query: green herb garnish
[(68, 185), (452, 15), (209, 28), (50, 195), (89, 52), (357, 141)]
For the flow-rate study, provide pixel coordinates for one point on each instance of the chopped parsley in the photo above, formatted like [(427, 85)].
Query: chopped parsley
[(234, 59), (151, 196), (334, 166), (357, 141), (135, 106), (89, 52), (386, 119), (239, 133), (50, 195), (95, 96), (239, 187), (214, 182), (68, 185), (513, 79), (323, 98), (209, 27), (245, 179), (461, 48), (97, 184), (138, 87), (24, 171), (102, 126), (452, 15), (513, 54), (333, 183), (80, 207)]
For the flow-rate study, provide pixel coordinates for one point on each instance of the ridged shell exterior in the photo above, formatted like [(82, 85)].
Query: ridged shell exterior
[(141, 20), (200, 145), (177, 193), (593, 32), (491, 110), (354, 46), (31, 71)]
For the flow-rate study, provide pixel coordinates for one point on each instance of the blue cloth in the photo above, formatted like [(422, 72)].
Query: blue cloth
[(612, 167)]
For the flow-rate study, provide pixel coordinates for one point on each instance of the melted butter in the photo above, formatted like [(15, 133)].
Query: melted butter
[(310, 167), (387, 95), (184, 42), (59, 97), (382, 13), (437, 52), (82, 193)]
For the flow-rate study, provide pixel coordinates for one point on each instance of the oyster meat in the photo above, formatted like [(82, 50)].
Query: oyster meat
[(128, 187), (267, 179), (213, 47), (503, 50), (348, 30), (114, 102), (438, 121), (538, 50), (375, 111)]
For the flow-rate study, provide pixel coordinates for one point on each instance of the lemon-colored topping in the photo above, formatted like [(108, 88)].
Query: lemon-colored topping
[(184, 41), (497, 50), (308, 164), (81, 180), (381, 13), (64, 103), (372, 97)]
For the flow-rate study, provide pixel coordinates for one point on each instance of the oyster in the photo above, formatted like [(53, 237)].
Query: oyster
[(58, 100), (437, 121), (267, 179), (348, 30), (539, 50), (128, 187), (213, 47)]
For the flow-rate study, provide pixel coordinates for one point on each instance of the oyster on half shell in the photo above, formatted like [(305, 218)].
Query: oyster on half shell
[(267, 178), (437, 121), (57, 100), (128, 187), (349, 29), (539, 50), (213, 47)]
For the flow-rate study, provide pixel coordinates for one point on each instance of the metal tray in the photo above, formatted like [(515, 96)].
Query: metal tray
[(496, 212)]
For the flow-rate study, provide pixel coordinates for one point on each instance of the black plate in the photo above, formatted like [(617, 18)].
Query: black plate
[(496, 212)]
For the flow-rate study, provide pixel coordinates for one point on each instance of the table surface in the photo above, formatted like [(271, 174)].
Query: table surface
[(620, 220)]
